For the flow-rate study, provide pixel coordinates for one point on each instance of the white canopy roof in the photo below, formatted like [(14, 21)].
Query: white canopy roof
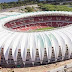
[(34, 40)]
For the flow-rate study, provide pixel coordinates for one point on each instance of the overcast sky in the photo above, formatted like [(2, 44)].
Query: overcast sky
[(1, 1)]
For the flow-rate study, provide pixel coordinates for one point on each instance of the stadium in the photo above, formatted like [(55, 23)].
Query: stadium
[(25, 39)]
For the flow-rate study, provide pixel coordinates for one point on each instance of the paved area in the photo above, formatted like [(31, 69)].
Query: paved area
[(42, 68)]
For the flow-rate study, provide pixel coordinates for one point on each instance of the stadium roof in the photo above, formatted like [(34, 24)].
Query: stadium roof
[(15, 40)]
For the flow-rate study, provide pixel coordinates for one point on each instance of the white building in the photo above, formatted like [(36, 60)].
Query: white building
[(25, 47)]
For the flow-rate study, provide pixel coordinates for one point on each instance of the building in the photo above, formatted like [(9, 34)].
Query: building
[(19, 45)]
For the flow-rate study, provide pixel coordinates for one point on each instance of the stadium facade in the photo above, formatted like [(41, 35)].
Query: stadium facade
[(20, 46)]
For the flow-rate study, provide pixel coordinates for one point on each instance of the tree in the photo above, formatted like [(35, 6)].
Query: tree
[(1, 6), (29, 9), (19, 0)]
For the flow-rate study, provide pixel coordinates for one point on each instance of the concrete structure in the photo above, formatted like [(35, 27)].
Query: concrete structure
[(19, 45)]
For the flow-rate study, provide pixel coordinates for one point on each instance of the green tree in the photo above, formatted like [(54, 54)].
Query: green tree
[(29, 9)]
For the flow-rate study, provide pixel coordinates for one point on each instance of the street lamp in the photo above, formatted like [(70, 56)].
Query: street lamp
[(65, 68)]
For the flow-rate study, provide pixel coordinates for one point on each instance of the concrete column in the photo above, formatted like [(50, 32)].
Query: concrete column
[(0, 57)]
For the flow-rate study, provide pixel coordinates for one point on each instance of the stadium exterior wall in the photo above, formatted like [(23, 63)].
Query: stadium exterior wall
[(20, 48)]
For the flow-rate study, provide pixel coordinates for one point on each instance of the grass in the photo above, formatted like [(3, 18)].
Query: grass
[(46, 28), (43, 29), (50, 7)]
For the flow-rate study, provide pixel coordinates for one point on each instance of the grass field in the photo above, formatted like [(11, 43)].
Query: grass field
[(46, 28), (43, 29)]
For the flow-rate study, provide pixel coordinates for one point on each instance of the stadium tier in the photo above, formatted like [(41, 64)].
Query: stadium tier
[(19, 45), (31, 23)]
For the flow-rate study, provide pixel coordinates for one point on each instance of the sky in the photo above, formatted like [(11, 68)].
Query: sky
[(1, 1)]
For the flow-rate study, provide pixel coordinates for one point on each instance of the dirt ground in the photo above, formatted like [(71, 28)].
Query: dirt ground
[(42, 68), (19, 9)]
